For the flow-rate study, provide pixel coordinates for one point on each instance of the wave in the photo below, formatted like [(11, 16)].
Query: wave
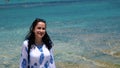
[(32, 4), (49, 3)]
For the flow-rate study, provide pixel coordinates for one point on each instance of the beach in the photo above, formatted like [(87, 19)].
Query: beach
[(86, 34)]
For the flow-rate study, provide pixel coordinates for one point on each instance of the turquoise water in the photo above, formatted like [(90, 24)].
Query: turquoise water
[(83, 31)]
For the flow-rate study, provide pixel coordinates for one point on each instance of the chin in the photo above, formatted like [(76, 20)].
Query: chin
[(40, 36)]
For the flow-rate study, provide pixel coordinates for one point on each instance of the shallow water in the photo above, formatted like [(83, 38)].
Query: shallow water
[(85, 33)]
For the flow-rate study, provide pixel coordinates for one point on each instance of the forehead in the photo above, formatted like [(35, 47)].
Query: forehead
[(41, 24)]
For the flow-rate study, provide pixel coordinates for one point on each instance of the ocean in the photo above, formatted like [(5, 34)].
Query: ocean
[(85, 33)]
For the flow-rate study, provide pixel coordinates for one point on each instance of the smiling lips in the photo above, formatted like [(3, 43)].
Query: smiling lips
[(40, 33)]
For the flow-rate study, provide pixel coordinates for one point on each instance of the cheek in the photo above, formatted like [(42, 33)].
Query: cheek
[(35, 31), (44, 32)]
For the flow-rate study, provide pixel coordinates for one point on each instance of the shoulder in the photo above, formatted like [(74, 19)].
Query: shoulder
[(51, 49), (25, 43)]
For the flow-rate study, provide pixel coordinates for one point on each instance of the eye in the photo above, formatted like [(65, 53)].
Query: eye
[(43, 28), (39, 28)]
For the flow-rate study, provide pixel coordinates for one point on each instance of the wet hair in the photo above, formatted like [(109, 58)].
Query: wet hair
[(31, 36)]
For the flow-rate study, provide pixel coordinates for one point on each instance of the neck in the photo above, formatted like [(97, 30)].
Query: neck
[(38, 41)]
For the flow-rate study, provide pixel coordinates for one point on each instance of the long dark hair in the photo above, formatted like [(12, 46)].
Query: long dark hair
[(31, 36)]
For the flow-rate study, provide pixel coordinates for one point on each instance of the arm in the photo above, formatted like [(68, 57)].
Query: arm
[(52, 62), (24, 55)]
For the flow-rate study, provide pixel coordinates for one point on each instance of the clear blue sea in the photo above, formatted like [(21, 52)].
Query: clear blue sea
[(84, 32)]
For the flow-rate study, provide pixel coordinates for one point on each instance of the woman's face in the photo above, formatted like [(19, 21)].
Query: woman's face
[(39, 30)]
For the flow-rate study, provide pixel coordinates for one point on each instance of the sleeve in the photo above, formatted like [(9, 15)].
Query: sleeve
[(23, 58), (52, 62)]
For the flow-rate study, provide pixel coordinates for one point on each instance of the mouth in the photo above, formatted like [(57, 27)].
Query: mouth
[(40, 33)]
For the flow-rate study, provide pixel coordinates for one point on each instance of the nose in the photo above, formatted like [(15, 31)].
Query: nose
[(42, 30)]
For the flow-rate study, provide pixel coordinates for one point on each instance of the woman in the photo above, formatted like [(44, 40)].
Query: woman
[(37, 47)]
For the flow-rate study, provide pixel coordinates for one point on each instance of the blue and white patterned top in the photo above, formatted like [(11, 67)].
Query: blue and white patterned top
[(40, 57)]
